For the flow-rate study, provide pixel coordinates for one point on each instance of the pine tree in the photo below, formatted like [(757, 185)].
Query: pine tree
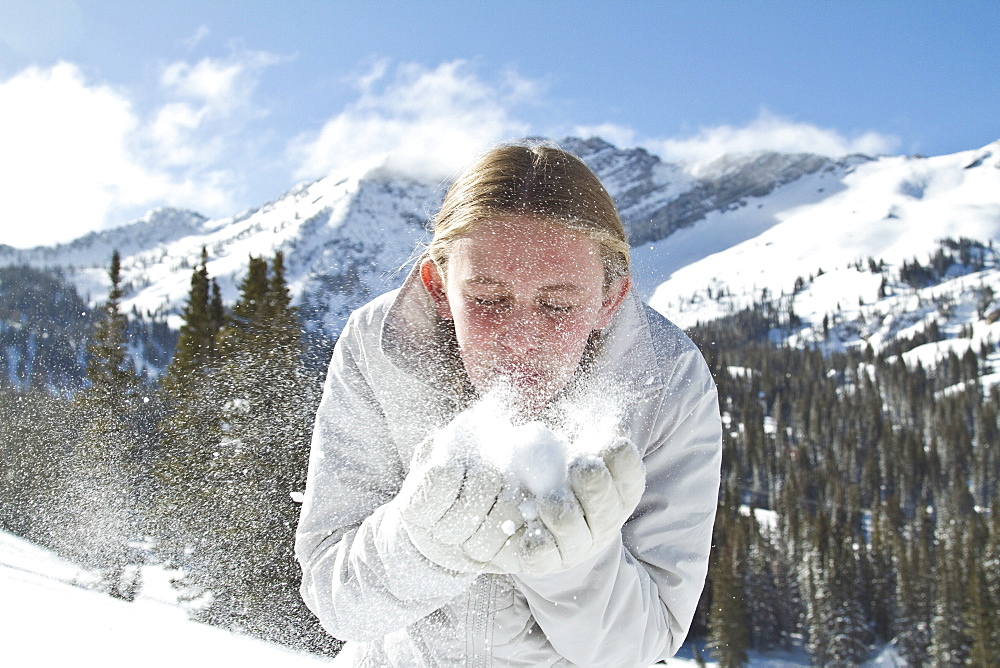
[(818, 607), (766, 599), (949, 643), (203, 314), (263, 407), (849, 631), (113, 380), (104, 498), (728, 637), (267, 417), (835, 620), (36, 466), (914, 592), (189, 433), (981, 620), (728, 633), (883, 567)]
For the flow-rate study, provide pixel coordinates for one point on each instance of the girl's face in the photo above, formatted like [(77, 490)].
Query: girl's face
[(525, 297)]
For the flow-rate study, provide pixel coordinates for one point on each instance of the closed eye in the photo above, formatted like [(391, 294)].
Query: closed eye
[(489, 302), (557, 308)]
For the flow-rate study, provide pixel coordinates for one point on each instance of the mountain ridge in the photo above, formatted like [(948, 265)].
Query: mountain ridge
[(347, 235)]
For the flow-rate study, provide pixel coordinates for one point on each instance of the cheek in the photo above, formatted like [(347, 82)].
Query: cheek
[(475, 334), (468, 322), (570, 338)]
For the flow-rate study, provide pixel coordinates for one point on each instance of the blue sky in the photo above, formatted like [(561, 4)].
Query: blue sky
[(109, 108)]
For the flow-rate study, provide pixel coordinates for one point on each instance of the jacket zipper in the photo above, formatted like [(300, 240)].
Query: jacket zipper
[(482, 609)]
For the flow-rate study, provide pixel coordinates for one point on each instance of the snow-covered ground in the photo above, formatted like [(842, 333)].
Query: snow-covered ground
[(49, 619)]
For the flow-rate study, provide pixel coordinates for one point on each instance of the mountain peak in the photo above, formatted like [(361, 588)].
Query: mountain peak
[(586, 147)]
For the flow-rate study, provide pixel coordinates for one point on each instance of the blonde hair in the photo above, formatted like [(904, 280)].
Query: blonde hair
[(539, 182)]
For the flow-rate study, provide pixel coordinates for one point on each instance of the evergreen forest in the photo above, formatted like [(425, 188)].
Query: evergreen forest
[(855, 507), (196, 468), (856, 502)]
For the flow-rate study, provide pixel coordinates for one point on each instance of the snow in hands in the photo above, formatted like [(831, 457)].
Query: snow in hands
[(565, 488), (530, 454)]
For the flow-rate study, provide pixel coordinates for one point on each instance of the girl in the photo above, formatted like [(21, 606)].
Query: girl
[(515, 462)]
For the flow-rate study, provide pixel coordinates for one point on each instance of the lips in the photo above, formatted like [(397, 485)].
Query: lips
[(521, 375)]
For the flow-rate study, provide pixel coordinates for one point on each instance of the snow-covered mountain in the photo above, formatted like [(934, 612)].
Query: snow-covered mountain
[(831, 247), (339, 234), (891, 208), (706, 242)]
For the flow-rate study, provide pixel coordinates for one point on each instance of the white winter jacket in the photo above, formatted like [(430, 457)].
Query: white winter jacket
[(391, 384)]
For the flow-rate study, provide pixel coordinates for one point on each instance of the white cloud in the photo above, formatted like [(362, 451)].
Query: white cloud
[(213, 100), (196, 38), (66, 160), (768, 132), (222, 85), (78, 155), (427, 121)]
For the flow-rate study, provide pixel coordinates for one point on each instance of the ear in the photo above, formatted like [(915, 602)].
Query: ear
[(613, 298), (432, 279)]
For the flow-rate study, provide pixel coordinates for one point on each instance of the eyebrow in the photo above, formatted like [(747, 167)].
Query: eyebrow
[(558, 287)]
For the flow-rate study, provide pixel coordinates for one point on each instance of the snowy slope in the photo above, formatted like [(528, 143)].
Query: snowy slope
[(49, 620), (892, 209)]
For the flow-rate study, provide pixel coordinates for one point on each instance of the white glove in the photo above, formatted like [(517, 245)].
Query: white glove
[(457, 511), (574, 525)]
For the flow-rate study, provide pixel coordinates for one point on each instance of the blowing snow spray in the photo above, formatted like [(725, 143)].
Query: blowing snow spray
[(533, 457)]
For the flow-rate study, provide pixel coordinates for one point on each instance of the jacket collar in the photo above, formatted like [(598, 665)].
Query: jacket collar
[(415, 340), (627, 357)]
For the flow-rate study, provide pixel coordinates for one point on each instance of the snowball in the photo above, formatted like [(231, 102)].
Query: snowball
[(537, 458), (532, 456)]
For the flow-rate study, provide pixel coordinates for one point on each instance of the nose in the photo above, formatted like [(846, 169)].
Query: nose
[(521, 331)]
